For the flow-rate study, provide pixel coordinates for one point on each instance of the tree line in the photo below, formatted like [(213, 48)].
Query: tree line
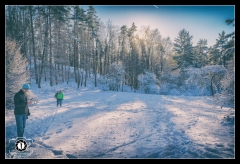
[(55, 39)]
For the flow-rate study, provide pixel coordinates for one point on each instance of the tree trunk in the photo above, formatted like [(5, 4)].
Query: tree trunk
[(77, 64), (56, 78), (68, 74), (95, 66), (85, 80), (105, 60), (211, 86), (74, 62), (65, 72), (50, 46), (33, 46), (62, 73), (44, 54)]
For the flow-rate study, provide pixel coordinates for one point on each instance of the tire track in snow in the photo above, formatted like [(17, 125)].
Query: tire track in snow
[(113, 149)]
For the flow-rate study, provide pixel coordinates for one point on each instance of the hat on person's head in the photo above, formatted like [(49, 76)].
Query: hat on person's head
[(25, 86)]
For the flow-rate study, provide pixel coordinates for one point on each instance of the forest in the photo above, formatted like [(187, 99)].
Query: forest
[(58, 43)]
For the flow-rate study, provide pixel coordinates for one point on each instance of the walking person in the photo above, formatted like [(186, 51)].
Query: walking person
[(21, 110), (59, 98)]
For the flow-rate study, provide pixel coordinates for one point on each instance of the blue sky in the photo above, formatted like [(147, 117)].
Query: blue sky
[(202, 21)]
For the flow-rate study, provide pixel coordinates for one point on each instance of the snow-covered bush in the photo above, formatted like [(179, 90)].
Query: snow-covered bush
[(169, 89), (173, 79), (174, 84), (171, 83), (192, 89), (148, 83), (174, 92), (102, 83), (208, 76), (226, 97), (164, 89), (115, 77)]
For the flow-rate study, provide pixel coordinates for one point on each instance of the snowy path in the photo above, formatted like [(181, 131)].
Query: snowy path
[(93, 125)]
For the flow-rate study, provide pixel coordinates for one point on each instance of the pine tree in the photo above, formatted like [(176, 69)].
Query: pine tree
[(221, 45), (131, 64), (16, 71), (183, 47), (201, 51)]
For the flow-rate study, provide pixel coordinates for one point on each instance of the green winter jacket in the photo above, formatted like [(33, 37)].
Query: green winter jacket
[(60, 95)]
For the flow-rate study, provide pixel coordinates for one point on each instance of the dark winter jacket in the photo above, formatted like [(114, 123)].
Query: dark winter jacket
[(21, 103)]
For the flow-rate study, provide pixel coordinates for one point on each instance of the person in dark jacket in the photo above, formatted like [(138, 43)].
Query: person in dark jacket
[(21, 110)]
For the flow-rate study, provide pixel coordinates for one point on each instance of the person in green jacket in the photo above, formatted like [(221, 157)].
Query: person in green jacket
[(59, 98)]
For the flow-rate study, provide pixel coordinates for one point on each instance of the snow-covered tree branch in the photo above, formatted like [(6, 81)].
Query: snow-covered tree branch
[(208, 76), (16, 72)]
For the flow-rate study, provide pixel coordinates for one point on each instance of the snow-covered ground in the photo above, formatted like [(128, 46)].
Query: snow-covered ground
[(109, 124)]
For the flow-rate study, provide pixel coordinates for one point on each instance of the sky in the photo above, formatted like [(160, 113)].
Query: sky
[(201, 21), (97, 124)]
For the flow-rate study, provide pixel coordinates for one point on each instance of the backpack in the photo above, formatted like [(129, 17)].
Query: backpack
[(55, 96)]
